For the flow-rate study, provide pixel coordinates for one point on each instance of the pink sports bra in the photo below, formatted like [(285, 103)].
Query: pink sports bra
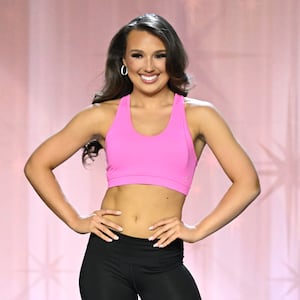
[(167, 159)]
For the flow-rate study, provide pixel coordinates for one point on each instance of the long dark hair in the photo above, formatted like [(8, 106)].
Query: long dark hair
[(116, 86)]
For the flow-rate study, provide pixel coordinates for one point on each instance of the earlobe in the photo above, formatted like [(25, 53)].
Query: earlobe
[(124, 62)]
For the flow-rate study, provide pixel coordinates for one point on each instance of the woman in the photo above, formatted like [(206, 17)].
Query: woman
[(153, 137)]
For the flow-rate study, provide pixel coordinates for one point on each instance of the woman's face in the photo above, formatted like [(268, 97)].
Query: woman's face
[(145, 59)]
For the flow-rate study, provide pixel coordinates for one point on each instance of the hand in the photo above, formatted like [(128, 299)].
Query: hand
[(99, 225), (168, 230)]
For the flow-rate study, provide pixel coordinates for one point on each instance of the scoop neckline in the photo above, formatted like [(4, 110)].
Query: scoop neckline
[(153, 135)]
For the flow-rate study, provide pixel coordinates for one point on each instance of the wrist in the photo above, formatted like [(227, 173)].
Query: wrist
[(74, 223)]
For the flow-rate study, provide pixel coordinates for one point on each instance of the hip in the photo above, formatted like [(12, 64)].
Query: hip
[(137, 251)]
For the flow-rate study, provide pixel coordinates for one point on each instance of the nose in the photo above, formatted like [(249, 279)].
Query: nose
[(149, 65)]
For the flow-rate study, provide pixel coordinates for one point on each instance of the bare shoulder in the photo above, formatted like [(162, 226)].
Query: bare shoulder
[(205, 119), (192, 102), (91, 122), (107, 105), (200, 109), (102, 110), (98, 115)]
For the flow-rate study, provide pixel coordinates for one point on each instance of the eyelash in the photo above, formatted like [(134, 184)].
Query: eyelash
[(161, 55), (138, 55)]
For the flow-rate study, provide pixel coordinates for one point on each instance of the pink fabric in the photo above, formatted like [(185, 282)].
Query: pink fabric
[(133, 158)]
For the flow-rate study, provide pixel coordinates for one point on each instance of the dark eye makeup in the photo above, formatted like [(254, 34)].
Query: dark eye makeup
[(156, 55)]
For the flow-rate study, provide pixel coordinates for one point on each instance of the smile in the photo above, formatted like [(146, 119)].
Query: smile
[(149, 79)]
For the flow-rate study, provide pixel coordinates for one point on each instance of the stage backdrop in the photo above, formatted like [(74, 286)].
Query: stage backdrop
[(244, 58)]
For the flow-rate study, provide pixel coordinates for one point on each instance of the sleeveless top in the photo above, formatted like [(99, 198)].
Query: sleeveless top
[(167, 159)]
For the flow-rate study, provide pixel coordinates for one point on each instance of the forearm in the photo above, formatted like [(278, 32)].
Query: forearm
[(234, 202), (45, 184)]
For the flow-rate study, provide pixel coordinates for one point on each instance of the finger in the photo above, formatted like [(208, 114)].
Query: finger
[(104, 232), (109, 233), (103, 212), (162, 229), (112, 212), (103, 223), (162, 223), (158, 235), (110, 224), (102, 236), (166, 240), (99, 217)]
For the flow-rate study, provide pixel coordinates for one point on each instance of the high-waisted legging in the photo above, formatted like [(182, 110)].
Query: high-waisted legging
[(128, 267)]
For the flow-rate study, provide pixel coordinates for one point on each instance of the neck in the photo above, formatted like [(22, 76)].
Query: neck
[(151, 100)]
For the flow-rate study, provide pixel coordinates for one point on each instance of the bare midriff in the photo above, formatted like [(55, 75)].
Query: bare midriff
[(142, 206)]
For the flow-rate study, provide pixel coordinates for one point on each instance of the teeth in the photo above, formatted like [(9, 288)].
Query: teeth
[(148, 78)]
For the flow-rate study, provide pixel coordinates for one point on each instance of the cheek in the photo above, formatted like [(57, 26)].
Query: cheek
[(133, 67), (132, 63), (161, 64)]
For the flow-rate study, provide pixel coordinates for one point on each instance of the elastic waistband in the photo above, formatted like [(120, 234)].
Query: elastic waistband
[(139, 251), (145, 243)]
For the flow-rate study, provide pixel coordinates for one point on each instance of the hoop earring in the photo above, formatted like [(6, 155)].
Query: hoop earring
[(123, 70)]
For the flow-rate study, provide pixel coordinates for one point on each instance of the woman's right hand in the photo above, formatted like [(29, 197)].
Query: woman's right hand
[(99, 225)]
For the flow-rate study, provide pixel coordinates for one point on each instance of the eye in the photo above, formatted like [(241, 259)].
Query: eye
[(160, 55), (136, 55)]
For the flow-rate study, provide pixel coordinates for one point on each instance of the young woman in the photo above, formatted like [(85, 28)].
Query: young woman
[(153, 137)]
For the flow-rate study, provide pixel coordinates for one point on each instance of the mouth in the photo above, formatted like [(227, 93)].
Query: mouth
[(149, 79)]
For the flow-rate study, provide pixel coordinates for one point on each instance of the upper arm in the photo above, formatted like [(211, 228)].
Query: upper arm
[(230, 154), (59, 147)]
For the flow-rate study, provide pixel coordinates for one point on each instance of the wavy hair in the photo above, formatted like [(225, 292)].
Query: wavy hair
[(116, 86)]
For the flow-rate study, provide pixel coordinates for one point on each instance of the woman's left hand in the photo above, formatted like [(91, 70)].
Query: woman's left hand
[(170, 229)]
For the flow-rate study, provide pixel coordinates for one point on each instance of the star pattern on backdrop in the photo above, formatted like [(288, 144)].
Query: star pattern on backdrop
[(283, 168), (44, 271), (292, 279), (204, 30)]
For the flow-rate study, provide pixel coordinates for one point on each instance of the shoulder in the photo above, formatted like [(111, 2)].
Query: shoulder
[(94, 119), (200, 109), (99, 112), (192, 102), (107, 107), (204, 117)]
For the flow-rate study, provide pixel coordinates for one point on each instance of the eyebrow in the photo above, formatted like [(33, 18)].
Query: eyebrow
[(157, 51)]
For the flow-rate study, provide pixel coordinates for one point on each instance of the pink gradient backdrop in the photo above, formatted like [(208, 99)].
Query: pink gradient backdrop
[(244, 57)]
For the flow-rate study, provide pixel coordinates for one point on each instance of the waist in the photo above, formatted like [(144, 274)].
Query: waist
[(141, 207), (139, 251)]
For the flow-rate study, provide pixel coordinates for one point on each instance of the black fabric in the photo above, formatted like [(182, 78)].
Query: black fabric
[(131, 266)]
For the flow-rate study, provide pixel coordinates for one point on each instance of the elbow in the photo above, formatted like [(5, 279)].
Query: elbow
[(255, 188), (35, 168), (31, 168), (28, 169), (249, 188), (257, 184)]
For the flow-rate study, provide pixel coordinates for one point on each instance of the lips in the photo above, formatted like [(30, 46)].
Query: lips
[(149, 79)]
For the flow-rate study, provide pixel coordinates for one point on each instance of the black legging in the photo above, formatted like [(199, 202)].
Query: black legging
[(123, 269)]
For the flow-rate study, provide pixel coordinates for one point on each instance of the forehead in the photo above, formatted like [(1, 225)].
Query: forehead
[(142, 40)]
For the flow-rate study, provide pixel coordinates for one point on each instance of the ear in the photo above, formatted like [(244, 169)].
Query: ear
[(124, 62)]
